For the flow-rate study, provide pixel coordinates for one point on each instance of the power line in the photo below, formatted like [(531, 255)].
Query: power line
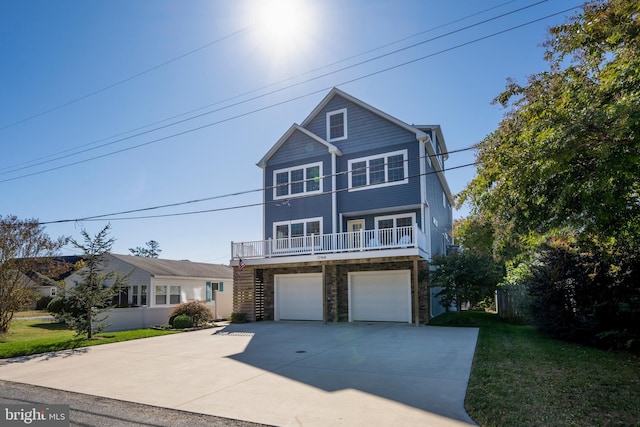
[(278, 103), (274, 91), (240, 95), (120, 82), (246, 205), (103, 216)]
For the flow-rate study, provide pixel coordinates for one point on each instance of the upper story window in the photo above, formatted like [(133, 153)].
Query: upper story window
[(378, 171), (297, 180), (337, 125)]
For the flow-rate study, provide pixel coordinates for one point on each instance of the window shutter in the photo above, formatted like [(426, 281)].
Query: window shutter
[(221, 286), (209, 291)]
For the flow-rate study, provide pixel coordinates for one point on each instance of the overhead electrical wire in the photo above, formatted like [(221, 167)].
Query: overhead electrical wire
[(235, 104), (240, 193), (249, 205), (118, 83), (226, 99), (278, 103)]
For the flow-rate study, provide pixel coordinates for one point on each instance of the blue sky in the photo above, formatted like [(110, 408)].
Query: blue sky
[(80, 75)]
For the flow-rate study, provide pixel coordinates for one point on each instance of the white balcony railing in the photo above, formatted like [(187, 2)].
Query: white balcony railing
[(352, 241)]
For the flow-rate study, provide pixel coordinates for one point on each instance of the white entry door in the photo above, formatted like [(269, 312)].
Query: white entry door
[(383, 296), (298, 296), (354, 227)]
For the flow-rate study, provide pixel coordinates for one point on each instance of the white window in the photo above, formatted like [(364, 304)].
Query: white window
[(378, 171), (139, 295), (296, 234), (161, 295), (53, 291), (297, 180), (337, 125), (395, 229), (167, 295)]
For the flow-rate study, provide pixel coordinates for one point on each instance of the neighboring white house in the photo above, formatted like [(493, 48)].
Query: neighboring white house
[(156, 286)]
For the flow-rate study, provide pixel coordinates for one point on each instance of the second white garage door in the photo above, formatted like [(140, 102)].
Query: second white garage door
[(298, 296), (383, 296)]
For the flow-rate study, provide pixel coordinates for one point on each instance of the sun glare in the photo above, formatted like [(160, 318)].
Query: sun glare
[(283, 27)]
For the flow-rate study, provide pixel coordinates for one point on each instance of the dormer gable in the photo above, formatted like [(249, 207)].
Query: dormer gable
[(281, 142), (337, 120)]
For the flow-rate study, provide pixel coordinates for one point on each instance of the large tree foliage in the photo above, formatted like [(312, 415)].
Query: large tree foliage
[(151, 251), (22, 244), (91, 296), (567, 153), (465, 276)]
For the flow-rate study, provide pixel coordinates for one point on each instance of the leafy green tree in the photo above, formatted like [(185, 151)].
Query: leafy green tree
[(567, 153), (92, 295), (151, 251), (22, 244), (465, 276)]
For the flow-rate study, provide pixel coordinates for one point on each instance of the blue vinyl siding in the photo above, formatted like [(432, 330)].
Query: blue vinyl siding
[(377, 198), (298, 150), (366, 131), (368, 134)]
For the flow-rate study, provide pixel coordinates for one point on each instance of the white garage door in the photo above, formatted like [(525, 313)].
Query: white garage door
[(298, 296), (383, 296)]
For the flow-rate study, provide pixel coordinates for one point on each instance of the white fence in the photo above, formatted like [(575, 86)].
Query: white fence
[(122, 319)]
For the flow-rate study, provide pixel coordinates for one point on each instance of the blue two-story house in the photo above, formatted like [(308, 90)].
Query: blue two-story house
[(355, 204)]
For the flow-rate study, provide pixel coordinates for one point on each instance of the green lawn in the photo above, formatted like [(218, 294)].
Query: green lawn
[(522, 378), (26, 337)]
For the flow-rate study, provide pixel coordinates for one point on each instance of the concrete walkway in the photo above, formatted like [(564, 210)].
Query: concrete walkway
[(278, 373)]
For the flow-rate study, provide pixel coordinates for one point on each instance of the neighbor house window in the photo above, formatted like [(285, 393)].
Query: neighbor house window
[(161, 295), (377, 171), (297, 233), (337, 125), (297, 180), (174, 296), (167, 295)]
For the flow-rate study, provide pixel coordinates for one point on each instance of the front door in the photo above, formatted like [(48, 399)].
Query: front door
[(354, 227)]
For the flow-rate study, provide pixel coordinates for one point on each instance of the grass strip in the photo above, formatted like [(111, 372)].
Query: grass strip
[(523, 378), (27, 337)]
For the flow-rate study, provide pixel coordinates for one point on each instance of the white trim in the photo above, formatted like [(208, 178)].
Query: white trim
[(395, 217), (334, 194), (386, 183), (335, 91), (330, 114), (295, 127), (304, 181)]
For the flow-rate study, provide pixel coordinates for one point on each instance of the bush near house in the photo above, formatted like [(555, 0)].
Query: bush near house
[(238, 318), (196, 310), (182, 321)]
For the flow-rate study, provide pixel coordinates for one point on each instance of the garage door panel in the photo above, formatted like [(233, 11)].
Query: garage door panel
[(383, 296), (299, 297)]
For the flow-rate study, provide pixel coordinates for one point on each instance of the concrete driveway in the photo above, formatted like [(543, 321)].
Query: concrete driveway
[(279, 373)]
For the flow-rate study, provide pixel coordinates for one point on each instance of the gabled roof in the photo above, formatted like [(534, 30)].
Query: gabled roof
[(337, 92), (169, 267), (54, 268), (295, 127)]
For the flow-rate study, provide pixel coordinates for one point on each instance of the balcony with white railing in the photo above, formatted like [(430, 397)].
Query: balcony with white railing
[(352, 241)]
